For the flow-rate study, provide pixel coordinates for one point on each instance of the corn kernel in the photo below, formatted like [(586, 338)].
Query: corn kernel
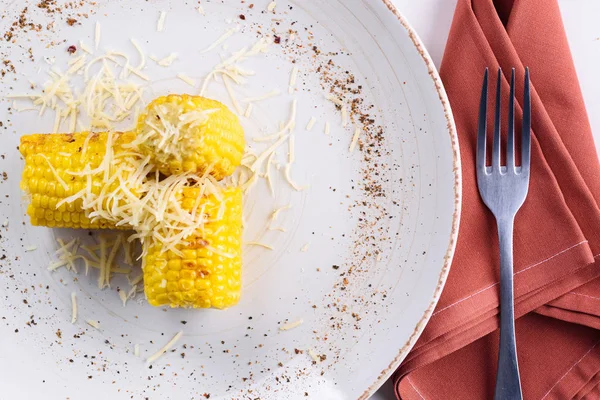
[(206, 279)]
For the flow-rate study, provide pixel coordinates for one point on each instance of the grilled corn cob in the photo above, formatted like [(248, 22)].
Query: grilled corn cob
[(49, 159), (190, 134), (203, 134), (208, 271)]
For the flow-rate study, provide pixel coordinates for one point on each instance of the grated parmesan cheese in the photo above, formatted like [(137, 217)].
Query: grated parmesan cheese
[(248, 111), (156, 216), (128, 248), (76, 59), (142, 63), (327, 128), (220, 40), (304, 248), (84, 47), (73, 307), (123, 296), (93, 324), (164, 349), (106, 262), (338, 102), (201, 10), (69, 253), (97, 35), (313, 355), (291, 325), (136, 350), (5, 223), (293, 78), (288, 178), (311, 124), (263, 156), (236, 105), (104, 99), (57, 119), (186, 79), (268, 174), (266, 246), (335, 100), (344, 116), (355, 139), (288, 167), (265, 96), (168, 60), (271, 6), (77, 65), (276, 212), (30, 248), (291, 149), (109, 96), (160, 26)]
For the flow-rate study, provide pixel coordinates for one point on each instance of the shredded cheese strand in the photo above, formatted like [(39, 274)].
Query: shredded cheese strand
[(160, 25), (220, 40), (293, 78), (236, 105), (266, 246), (53, 170), (73, 307), (248, 111), (142, 63), (164, 349), (97, 35), (311, 124), (265, 96), (168, 60), (355, 137), (186, 79), (93, 324), (291, 325)]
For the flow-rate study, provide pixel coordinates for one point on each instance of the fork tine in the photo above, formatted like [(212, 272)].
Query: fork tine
[(526, 139), (482, 129), (497, 124), (510, 142)]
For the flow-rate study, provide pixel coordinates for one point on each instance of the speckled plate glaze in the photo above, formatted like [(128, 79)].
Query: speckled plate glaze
[(367, 246)]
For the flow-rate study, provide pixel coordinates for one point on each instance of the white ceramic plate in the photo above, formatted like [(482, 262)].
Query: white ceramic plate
[(367, 246)]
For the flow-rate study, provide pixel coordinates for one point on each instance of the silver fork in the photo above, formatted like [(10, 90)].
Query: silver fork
[(503, 190)]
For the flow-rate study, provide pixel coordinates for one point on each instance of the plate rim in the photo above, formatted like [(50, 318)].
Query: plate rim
[(457, 172)]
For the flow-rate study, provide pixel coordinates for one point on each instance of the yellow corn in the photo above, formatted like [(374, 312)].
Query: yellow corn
[(214, 140), (63, 154), (208, 273), (184, 133)]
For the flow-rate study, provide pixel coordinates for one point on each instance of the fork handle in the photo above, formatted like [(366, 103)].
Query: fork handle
[(508, 381)]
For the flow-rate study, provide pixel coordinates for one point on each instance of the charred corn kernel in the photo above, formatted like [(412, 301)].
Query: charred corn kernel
[(190, 134), (48, 179), (207, 273)]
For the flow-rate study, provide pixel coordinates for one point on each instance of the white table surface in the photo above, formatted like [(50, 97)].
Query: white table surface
[(432, 19)]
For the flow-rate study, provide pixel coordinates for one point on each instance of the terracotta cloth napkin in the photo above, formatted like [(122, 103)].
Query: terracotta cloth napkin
[(557, 232)]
